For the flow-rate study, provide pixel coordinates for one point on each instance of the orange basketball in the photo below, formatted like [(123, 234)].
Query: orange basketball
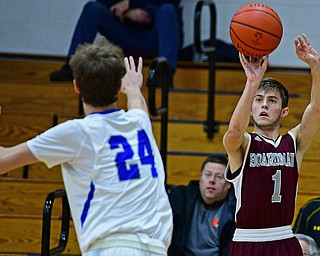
[(256, 30)]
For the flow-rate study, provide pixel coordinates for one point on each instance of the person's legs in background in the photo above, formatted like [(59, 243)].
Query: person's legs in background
[(167, 22), (92, 16), (163, 37), (168, 28)]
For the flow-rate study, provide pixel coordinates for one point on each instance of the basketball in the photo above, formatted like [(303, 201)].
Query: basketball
[(256, 30)]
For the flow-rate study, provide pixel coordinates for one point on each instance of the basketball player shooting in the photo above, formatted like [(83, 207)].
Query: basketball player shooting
[(264, 165)]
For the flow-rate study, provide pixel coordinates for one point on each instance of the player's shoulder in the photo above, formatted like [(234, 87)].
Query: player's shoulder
[(138, 113)]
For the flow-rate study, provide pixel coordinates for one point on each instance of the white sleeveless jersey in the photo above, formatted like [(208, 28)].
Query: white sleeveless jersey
[(113, 175)]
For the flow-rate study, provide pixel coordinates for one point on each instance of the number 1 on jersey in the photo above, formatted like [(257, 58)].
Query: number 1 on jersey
[(276, 197)]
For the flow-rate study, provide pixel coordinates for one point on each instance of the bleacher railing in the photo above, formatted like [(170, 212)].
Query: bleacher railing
[(209, 49)]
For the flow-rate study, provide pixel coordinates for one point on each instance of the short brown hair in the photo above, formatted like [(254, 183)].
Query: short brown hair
[(215, 158), (269, 83), (98, 70)]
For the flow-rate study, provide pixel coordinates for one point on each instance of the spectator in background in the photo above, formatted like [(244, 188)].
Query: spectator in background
[(203, 212), (308, 245), (137, 26)]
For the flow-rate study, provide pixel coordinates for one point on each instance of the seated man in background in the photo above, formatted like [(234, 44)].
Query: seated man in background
[(203, 212), (308, 245), (143, 27)]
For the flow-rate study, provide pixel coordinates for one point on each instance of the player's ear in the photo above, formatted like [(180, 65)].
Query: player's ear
[(75, 86), (284, 112)]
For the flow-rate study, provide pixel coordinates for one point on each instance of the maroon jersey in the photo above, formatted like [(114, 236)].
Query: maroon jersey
[(266, 185)]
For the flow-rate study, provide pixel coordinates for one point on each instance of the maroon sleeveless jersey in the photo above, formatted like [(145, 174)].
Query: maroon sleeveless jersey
[(268, 183)]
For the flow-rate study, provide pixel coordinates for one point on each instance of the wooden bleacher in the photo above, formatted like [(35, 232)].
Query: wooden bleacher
[(31, 104), (21, 212)]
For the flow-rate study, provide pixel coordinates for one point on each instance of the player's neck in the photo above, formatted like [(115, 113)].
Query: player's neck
[(272, 134), (88, 109)]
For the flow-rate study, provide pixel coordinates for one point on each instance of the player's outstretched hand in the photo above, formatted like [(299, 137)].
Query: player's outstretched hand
[(305, 51), (133, 78)]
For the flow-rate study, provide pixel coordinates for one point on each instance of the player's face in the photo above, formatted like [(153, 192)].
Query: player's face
[(267, 109), (213, 186)]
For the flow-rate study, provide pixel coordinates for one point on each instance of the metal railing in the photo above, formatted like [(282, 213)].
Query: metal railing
[(162, 111), (209, 49), (46, 223)]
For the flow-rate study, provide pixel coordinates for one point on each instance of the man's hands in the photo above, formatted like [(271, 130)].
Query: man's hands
[(123, 12), (120, 9), (305, 51), (138, 16)]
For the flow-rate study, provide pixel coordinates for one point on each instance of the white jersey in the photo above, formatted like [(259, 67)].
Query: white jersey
[(113, 175)]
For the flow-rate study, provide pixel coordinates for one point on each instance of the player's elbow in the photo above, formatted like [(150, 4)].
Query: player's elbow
[(232, 140)]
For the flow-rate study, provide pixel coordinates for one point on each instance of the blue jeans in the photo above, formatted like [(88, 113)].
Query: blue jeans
[(161, 38)]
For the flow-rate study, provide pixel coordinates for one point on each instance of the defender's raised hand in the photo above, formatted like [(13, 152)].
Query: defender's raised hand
[(133, 77)]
